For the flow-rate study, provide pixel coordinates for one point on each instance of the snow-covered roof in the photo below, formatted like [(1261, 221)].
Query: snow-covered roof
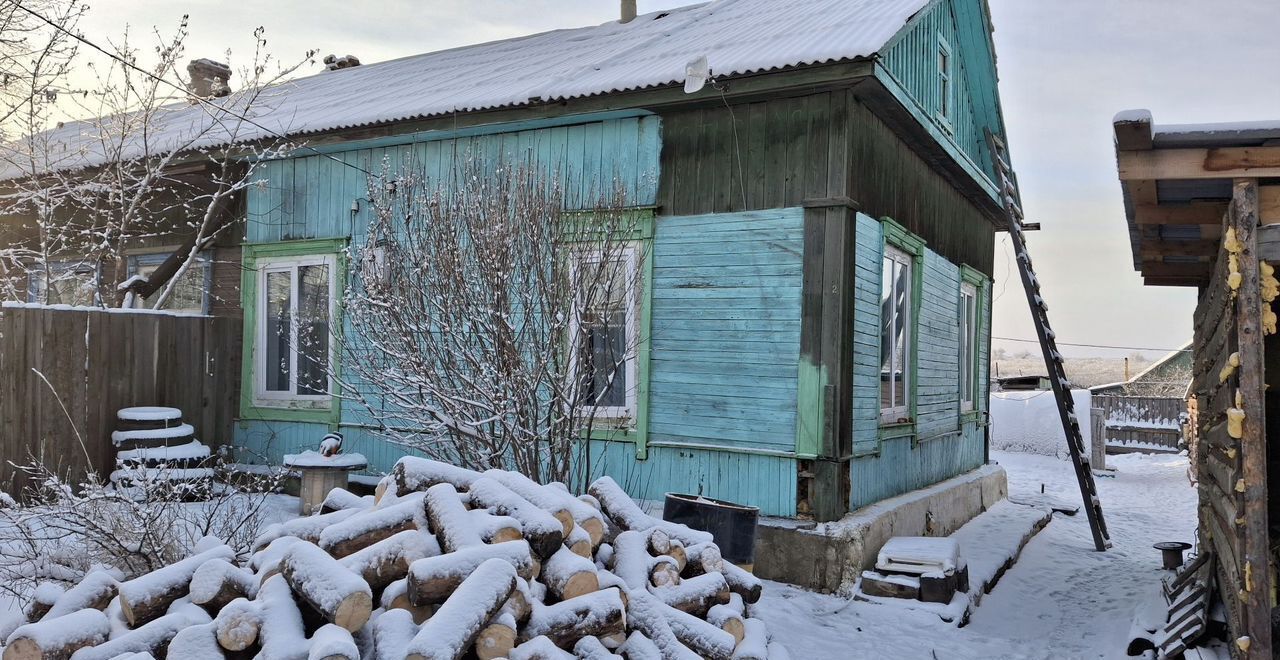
[(737, 36), (1240, 133)]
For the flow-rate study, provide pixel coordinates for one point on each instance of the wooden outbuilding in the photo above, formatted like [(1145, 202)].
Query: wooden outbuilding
[(1202, 204)]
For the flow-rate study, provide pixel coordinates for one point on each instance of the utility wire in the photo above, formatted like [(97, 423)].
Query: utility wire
[(179, 88), (1122, 348)]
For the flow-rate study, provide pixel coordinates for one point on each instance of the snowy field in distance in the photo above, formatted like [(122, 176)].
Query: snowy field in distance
[(1061, 600)]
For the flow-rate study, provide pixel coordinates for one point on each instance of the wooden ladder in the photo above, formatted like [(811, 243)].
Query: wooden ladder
[(1048, 344)]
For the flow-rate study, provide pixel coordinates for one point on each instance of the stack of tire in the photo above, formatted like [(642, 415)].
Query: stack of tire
[(158, 455)]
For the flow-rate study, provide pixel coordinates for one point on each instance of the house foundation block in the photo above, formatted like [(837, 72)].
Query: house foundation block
[(829, 557)]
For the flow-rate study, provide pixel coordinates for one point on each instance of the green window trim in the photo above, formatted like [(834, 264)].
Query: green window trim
[(900, 237), (979, 281), (637, 433), (251, 256), (946, 85)]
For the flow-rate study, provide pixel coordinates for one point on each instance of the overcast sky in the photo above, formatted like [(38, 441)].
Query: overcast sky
[(1065, 69)]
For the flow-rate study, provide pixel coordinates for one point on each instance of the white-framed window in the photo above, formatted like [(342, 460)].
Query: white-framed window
[(604, 332), (190, 294), (896, 327), (946, 88), (68, 282), (293, 347), (968, 345)]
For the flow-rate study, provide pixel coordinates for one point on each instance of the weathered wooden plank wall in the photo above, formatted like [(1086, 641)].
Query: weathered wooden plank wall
[(97, 362), (782, 152)]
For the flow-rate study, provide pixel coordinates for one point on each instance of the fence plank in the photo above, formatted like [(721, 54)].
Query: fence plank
[(1142, 423)]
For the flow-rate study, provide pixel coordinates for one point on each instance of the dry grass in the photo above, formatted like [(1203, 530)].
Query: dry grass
[(1083, 372)]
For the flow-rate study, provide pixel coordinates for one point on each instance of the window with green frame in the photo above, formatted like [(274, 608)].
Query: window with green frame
[(290, 294), (972, 286), (899, 310)]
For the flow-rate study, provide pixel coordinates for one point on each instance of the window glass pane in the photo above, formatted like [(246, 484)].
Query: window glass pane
[(69, 287), (188, 293), (605, 351), (313, 329), (901, 321), (886, 335), (276, 347)]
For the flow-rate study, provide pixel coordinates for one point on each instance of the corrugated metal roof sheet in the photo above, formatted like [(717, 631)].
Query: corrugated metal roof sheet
[(737, 36)]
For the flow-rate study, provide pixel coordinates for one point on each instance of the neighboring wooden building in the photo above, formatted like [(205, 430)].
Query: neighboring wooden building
[(1201, 204)]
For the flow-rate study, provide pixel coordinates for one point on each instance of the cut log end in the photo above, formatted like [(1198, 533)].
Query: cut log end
[(354, 611), (495, 641)]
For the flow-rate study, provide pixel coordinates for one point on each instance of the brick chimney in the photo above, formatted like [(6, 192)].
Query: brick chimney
[(208, 79), (628, 11)]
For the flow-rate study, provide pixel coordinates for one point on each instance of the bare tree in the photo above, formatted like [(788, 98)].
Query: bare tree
[(484, 325), (161, 155)]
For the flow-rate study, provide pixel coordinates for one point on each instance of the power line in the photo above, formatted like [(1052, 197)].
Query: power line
[(1122, 348), (215, 107)]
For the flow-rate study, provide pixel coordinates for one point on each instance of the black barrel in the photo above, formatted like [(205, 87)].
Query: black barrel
[(732, 525)]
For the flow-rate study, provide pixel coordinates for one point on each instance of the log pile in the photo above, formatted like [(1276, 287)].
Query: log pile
[(444, 563)]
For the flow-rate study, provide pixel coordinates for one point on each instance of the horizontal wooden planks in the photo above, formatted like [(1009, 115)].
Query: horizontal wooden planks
[(725, 345)]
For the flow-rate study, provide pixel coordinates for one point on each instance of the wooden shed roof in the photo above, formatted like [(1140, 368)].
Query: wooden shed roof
[(1176, 181)]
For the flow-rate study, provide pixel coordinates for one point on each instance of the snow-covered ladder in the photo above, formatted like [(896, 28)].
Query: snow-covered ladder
[(1048, 344)]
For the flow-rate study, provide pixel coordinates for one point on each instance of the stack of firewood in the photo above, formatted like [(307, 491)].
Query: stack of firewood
[(442, 563)]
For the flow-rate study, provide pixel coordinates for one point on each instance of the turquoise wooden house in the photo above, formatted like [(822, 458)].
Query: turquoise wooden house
[(820, 222)]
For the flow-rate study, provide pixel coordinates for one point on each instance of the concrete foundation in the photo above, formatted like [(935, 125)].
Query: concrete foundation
[(828, 557)]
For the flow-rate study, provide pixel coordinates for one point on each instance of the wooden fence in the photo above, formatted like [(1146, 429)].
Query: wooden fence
[(1142, 423), (65, 372)]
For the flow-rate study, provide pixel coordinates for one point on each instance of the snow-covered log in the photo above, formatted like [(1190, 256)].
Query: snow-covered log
[(339, 499), (392, 632), (542, 530), (359, 532), (453, 629), (338, 594), (432, 579), (307, 528), (283, 635), (238, 625), (57, 639), (396, 596), (696, 595), (147, 597), (539, 648), (728, 618), (703, 638), (569, 575), (600, 613), (388, 560), (591, 648), (46, 594), (218, 582), (639, 647), (449, 520), (677, 553), (153, 638), (702, 558), (755, 643), (644, 613), (631, 559), (495, 529), (778, 652), (625, 513), (266, 561), (570, 510), (196, 643), (498, 637), (579, 541), (742, 583), (333, 642), (413, 474)]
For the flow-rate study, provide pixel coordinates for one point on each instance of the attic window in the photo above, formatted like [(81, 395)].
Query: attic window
[(946, 91)]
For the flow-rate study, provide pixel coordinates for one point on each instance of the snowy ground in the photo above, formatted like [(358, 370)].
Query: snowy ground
[(1061, 600)]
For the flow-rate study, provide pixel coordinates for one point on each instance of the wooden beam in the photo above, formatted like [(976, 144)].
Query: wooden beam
[(1223, 163), (1153, 248), (1162, 269), (1133, 133), (1173, 281), (1254, 561), (1193, 214), (1269, 243)]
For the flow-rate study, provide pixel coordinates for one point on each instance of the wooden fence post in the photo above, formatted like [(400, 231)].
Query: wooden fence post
[(1098, 433)]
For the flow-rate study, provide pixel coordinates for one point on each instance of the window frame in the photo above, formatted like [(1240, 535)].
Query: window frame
[(904, 410), (946, 82), (36, 289), (968, 354), (144, 259), (285, 400), (627, 415)]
